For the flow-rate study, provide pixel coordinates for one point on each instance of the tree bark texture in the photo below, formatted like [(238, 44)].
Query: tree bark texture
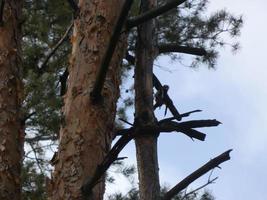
[(146, 145), (11, 132), (87, 133)]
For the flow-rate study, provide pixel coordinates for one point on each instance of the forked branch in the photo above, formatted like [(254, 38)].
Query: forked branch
[(128, 134)]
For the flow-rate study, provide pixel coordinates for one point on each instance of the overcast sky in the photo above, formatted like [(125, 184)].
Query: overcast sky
[(235, 94)]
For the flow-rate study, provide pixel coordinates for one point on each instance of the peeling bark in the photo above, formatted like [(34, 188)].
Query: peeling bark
[(88, 131), (11, 132), (146, 145)]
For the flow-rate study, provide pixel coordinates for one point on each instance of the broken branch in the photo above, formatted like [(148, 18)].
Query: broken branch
[(168, 102), (198, 173)]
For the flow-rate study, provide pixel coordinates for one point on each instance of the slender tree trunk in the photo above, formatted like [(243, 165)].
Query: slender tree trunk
[(87, 134), (11, 133), (146, 145)]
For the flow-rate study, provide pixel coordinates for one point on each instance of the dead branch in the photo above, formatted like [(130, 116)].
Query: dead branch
[(167, 101), (135, 21), (25, 118), (128, 134), (215, 162), (169, 48), (187, 127), (55, 48), (101, 75), (156, 83)]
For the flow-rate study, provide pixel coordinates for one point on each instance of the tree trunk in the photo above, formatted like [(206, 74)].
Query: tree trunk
[(11, 132), (87, 132), (146, 145)]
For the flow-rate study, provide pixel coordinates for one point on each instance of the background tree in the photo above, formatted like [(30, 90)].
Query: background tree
[(11, 95)]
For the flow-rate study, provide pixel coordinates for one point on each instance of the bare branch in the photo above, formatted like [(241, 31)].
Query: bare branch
[(53, 51), (187, 127), (197, 174), (101, 75), (125, 121), (200, 123), (199, 188), (169, 48), (135, 21), (41, 138)]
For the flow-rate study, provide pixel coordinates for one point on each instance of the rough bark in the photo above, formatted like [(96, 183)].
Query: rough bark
[(146, 145), (11, 132), (87, 134)]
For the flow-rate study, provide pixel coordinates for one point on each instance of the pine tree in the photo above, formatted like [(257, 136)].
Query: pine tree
[(87, 132), (190, 33), (11, 96)]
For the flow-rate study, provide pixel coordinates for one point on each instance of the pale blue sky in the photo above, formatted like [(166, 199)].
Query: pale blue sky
[(235, 94)]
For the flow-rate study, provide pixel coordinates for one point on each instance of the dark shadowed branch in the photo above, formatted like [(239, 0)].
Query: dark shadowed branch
[(135, 21), (215, 162), (63, 82), (101, 75), (41, 138), (187, 127), (74, 6), (111, 157), (55, 48), (25, 118), (167, 100), (169, 48), (2, 6)]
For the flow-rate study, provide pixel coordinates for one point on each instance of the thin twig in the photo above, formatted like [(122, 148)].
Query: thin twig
[(53, 51), (126, 122), (36, 158), (199, 188)]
